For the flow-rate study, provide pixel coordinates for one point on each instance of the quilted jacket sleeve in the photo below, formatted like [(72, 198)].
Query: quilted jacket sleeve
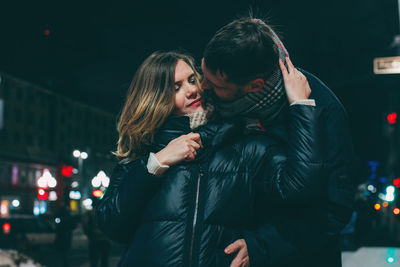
[(312, 170), (131, 187), (296, 172)]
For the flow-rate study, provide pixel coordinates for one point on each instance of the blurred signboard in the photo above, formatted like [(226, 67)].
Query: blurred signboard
[(387, 65), (1, 114)]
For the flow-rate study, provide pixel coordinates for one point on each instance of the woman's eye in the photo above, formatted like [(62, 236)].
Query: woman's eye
[(192, 80)]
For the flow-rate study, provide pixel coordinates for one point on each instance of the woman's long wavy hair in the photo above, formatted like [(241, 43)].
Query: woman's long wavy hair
[(150, 100)]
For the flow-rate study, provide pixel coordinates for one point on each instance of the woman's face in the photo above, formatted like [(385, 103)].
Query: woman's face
[(187, 98)]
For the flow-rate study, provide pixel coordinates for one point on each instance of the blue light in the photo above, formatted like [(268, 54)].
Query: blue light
[(390, 259), (383, 180), (373, 163)]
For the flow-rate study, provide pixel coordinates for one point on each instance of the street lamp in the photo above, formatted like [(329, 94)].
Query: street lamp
[(80, 155)]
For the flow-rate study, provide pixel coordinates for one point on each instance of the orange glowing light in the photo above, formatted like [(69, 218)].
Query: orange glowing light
[(396, 211), (385, 204), (97, 193), (377, 206)]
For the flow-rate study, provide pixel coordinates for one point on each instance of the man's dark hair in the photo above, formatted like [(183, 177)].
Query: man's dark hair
[(243, 50)]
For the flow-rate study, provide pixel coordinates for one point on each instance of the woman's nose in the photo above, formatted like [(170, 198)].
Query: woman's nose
[(192, 90)]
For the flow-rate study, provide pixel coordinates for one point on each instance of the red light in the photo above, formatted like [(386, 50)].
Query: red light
[(396, 182), (396, 211), (6, 228), (47, 32), (66, 171), (97, 193), (391, 118), (42, 194)]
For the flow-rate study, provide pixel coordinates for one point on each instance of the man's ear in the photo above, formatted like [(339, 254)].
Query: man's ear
[(254, 85)]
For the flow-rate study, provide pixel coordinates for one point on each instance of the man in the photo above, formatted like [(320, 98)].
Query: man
[(242, 78)]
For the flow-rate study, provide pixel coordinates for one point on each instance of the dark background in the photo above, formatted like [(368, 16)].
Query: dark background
[(92, 49)]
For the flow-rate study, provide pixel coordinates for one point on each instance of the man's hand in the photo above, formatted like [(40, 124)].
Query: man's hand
[(296, 84), (242, 257)]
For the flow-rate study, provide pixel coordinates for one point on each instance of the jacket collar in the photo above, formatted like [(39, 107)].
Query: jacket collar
[(213, 134)]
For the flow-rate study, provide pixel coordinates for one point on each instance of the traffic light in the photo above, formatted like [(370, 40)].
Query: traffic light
[(66, 171), (396, 182), (392, 117)]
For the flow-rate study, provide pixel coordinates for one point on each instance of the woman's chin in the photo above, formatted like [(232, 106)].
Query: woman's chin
[(195, 109)]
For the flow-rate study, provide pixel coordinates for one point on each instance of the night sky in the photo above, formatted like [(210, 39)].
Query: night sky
[(93, 48)]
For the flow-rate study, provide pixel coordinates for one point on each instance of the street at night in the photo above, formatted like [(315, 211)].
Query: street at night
[(208, 133)]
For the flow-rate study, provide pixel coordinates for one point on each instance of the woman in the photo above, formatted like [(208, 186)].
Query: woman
[(207, 198)]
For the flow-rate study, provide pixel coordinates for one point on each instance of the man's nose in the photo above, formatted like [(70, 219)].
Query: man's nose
[(205, 85)]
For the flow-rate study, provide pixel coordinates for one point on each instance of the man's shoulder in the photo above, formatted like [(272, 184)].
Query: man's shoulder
[(322, 94)]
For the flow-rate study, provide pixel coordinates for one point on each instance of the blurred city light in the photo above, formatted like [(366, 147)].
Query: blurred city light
[(47, 180), (385, 204), (67, 171), (383, 180), (390, 259), (6, 228), (79, 154), (4, 208), (39, 207), (371, 187), (97, 193), (390, 197), (15, 203), (396, 211), (96, 182), (84, 155), (74, 184), (390, 193), (75, 195), (100, 179), (382, 196), (390, 189), (377, 206), (57, 220), (76, 153), (396, 182), (53, 196), (87, 203), (42, 194), (36, 210), (392, 117)]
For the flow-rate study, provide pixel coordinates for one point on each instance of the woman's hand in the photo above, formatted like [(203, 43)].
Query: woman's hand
[(180, 149), (296, 84)]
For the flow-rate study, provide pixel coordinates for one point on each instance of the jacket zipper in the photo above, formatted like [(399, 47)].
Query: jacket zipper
[(195, 216)]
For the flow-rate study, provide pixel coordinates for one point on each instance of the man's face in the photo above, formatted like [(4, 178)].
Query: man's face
[(224, 90)]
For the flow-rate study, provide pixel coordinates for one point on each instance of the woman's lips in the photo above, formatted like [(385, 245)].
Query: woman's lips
[(195, 103)]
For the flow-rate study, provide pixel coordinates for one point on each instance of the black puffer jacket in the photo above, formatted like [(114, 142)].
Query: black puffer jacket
[(306, 212), (190, 214)]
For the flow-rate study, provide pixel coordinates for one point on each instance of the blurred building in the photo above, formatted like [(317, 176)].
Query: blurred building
[(39, 130)]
